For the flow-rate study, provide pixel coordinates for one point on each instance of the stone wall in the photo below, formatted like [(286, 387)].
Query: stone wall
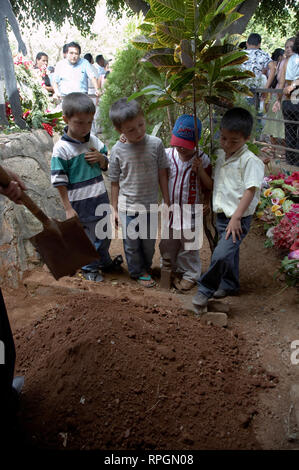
[(28, 154)]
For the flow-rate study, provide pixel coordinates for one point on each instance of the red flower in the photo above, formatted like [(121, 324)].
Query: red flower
[(285, 233), (26, 114), (48, 128), (8, 110), (294, 177)]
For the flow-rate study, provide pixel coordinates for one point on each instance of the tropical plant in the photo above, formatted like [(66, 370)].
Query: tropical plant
[(182, 41), (127, 76)]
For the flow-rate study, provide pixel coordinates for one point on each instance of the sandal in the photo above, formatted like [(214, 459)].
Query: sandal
[(146, 281), (92, 276)]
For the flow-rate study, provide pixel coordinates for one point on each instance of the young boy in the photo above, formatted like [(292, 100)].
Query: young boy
[(186, 180), (136, 169), (76, 171), (238, 177)]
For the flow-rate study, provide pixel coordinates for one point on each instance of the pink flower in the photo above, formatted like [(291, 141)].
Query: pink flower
[(294, 254), (275, 201)]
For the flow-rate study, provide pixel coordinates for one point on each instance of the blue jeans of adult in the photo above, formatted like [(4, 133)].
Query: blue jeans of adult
[(102, 247), (139, 232), (223, 272)]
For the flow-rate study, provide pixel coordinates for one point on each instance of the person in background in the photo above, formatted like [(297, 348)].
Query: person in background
[(257, 63), (72, 73), (100, 64), (41, 64), (92, 93), (274, 128), (287, 82)]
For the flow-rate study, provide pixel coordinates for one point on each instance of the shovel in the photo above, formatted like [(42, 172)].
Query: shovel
[(64, 246)]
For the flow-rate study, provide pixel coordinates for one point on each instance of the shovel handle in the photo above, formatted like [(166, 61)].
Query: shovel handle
[(5, 179)]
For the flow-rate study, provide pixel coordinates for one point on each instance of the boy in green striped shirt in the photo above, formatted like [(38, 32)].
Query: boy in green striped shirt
[(76, 171)]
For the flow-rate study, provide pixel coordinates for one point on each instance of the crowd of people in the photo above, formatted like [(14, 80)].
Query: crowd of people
[(139, 166), (279, 71)]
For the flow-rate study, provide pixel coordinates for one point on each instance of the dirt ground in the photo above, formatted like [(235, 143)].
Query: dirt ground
[(117, 366)]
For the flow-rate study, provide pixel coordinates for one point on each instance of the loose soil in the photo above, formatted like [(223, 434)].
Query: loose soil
[(118, 366)]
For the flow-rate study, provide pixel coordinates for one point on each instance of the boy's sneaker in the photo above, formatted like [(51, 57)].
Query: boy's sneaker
[(200, 300), (114, 266), (95, 276), (219, 294)]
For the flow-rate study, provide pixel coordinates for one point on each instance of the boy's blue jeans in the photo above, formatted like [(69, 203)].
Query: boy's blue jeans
[(223, 272), (139, 247), (102, 247)]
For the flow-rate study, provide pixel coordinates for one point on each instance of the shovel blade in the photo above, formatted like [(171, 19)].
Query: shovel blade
[(66, 249)]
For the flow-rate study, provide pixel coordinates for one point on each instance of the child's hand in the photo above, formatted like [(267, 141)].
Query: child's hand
[(14, 190), (123, 138), (197, 165), (71, 213), (276, 106), (234, 228), (94, 156)]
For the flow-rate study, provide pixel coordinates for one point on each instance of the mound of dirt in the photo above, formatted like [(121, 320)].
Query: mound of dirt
[(104, 373)]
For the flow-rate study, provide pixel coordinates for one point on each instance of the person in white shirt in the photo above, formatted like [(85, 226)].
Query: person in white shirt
[(72, 73), (237, 180)]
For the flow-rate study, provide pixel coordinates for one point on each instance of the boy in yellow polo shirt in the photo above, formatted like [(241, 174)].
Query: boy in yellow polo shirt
[(238, 176)]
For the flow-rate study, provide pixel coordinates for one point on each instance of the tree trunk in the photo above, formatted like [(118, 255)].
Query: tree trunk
[(138, 5), (247, 9)]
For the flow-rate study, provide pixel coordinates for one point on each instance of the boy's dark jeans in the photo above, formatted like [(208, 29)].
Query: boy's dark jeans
[(223, 272)]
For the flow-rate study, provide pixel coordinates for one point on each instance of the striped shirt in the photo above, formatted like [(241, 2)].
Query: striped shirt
[(183, 186), (232, 176), (136, 168), (85, 184)]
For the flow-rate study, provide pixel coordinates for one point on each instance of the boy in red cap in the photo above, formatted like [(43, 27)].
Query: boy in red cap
[(187, 178)]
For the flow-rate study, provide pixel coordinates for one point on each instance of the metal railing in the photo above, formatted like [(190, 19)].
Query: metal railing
[(278, 132)]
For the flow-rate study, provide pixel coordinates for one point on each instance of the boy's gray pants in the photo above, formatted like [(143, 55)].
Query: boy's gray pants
[(176, 257)]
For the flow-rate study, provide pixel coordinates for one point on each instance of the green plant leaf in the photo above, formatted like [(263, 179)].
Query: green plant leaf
[(148, 90), (214, 27), (228, 5), (234, 58), (142, 42), (166, 36), (177, 83), (162, 58), (146, 27), (153, 72), (160, 104), (169, 9), (191, 15), (217, 51)]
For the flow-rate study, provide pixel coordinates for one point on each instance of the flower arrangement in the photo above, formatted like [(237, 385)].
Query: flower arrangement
[(35, 100), (278, 208)]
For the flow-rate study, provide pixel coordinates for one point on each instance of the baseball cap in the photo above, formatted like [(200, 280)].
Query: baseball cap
[(183, 132)]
